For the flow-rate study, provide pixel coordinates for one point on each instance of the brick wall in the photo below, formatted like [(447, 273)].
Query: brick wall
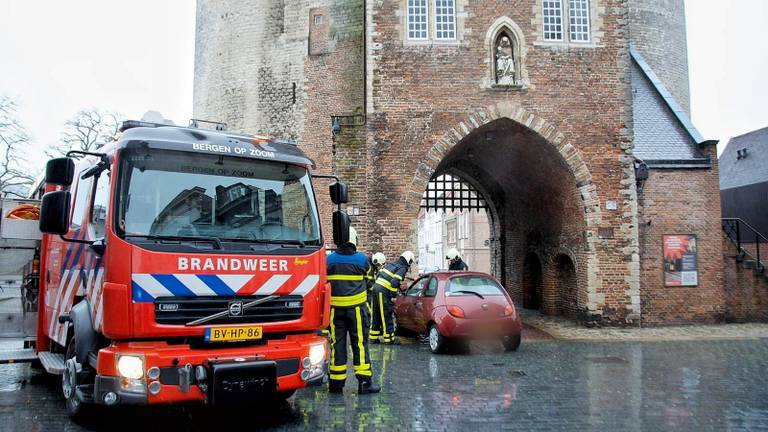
[(746, 291), (682, 202)]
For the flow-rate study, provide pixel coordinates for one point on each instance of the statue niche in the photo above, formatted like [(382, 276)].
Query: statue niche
[(504, 60)]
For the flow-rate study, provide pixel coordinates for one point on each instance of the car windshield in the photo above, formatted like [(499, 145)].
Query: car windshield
[(180, 194), (473, 285)]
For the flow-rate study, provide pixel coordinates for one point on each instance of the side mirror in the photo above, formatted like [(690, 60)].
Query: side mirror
[(60, 171), (54, 212), (340, 228), (339, 193)]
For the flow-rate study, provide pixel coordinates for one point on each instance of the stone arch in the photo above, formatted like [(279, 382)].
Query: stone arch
[(506, 25), (553, 137)]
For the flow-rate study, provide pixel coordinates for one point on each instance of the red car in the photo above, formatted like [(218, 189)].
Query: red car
[(458, 306)]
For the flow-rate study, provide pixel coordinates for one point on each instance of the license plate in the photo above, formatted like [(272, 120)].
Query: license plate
[(230, 334)]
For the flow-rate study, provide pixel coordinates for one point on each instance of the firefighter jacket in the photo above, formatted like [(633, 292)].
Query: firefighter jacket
[(391, 275), (459, 264), (347, 272)]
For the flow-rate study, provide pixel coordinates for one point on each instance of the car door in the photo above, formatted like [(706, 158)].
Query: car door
[(424, 303), (404, 306)]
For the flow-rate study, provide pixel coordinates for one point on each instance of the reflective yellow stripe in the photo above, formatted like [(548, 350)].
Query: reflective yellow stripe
[(392, 274), (360, 334), (338, 377), (385, 283), (341, 368), (333, 339), (381, 310), (345, 277), (364, 373), (363, 367), (349, 301)]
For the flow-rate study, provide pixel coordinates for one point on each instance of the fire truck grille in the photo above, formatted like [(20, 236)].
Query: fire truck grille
[(181, 310)]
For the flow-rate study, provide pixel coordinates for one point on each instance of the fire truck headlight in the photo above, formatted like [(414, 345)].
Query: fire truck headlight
[(131, 367), (316, 354)]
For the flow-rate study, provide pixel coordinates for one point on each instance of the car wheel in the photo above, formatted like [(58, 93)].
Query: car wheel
[(285, 394), (511, 343), (436, 341)]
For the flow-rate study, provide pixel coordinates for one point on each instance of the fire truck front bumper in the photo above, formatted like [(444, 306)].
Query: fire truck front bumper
[(139, 373)]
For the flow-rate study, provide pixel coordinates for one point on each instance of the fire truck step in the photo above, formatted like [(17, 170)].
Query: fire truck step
[(52, 362), (18, 356)]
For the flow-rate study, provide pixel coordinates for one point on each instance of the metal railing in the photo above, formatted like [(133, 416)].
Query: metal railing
[(746, 239)]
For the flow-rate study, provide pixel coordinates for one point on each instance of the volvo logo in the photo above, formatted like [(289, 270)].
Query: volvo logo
[(235, 309)]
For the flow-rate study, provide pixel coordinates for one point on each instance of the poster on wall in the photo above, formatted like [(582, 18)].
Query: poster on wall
[(680, 260)]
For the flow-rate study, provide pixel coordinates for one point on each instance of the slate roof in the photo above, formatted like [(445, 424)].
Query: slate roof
[(753, 168), (664, 134)]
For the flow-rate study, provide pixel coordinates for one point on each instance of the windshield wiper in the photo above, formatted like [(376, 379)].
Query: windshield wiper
[(469, 292), (215, 240)]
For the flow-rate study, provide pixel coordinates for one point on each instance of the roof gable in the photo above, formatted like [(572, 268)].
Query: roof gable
[(736, 171)]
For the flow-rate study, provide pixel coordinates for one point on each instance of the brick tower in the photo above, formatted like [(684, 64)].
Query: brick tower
[(546, 107)]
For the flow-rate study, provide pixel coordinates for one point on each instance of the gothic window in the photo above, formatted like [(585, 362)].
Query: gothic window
[(504, 59), (445, 19), (578, 12), (553, 19), (417, 20)]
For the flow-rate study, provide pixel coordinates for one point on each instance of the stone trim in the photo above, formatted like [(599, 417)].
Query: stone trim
[(553, 136)]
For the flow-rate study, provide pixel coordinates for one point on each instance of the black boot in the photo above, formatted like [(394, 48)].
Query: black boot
[(367, 386), (336, 387)]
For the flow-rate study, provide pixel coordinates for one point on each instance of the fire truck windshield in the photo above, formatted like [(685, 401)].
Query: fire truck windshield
[(192, 195)]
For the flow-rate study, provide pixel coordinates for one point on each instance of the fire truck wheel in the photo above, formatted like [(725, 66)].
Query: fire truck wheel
[(69, 383)]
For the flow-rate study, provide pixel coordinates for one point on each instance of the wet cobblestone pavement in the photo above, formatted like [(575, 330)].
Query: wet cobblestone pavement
[(547, 385)]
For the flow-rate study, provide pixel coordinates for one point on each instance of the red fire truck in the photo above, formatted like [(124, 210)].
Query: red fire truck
[(183, 264)]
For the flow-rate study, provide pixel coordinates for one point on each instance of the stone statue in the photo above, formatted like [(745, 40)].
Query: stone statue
[(505, 62)]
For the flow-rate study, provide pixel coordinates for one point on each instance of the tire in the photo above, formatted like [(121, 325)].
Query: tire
[(511, 343), (73, 405), (437, 342)]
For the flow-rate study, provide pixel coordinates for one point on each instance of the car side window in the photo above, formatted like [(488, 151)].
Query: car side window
[(100, 209), (416, 288), (431, 290)]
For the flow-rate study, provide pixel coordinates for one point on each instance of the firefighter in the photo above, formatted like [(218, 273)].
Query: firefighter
[(385, 290), (347, 270), (377, 261), (454, 260)]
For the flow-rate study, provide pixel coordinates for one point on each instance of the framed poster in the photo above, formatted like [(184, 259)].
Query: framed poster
[(680, 260)]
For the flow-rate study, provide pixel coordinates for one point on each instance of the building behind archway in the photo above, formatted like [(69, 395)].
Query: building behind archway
[(555, 110)]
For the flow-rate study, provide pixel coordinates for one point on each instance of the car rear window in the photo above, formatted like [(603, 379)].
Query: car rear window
[(467, 285)]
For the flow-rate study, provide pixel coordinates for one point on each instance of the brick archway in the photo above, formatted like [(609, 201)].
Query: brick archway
[(553, 137)]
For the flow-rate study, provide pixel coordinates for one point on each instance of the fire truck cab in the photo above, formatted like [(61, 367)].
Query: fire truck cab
[(184, 264)]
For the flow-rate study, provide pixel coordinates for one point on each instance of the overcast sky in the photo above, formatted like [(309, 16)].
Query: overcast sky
[(57, 57)]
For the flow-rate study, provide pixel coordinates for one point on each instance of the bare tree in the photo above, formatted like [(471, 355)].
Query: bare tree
[(88, 130), (15, 175)]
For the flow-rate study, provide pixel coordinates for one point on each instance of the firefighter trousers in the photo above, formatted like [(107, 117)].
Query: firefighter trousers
[(383, 316), (355, 323)]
